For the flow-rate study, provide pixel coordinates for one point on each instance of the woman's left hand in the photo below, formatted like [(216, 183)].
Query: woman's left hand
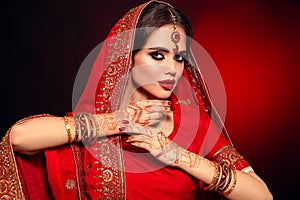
[(159, 146)]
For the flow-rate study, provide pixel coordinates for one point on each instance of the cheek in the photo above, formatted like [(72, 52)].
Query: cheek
[(147, 74), (180, 69)]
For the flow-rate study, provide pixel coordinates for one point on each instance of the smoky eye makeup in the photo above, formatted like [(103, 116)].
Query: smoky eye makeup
[(156, 55), (178, 58)]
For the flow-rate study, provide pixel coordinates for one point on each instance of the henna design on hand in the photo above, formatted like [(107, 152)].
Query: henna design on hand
[(173, 154), (190, 159), (145, 116), (107, 123), (169, 152), (135, 118)]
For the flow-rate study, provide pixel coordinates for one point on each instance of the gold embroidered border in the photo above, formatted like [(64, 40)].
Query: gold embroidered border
[(110, 171), (118, 54), (109, 177), (229, 156), (10, 185), (78, 160)]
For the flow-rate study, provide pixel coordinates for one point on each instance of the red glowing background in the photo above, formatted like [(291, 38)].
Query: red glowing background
[(256, 46)]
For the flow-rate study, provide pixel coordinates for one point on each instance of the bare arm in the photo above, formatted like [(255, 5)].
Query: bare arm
[(248, 185), (34, 134), (240, 185)]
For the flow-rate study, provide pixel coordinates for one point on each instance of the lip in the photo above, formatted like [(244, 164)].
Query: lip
[(167, 84)]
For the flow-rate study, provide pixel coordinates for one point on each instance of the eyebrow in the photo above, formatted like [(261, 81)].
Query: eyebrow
[(160, 48), (166, 50)]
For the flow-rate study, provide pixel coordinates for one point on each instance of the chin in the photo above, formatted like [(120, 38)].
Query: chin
[(162, 94), (155, 92)]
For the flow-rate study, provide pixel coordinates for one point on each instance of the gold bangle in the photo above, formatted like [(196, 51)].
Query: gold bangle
[(215, 186), (68, 129), (234, 184), (215, 177), (227, 181)]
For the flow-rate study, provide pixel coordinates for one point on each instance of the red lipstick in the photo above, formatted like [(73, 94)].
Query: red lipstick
[(167, 84)]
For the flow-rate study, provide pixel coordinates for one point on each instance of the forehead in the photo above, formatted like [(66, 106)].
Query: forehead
[(161, 37)]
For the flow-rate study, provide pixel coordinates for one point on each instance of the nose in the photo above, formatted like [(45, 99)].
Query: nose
[(171, 72), (170, 63)]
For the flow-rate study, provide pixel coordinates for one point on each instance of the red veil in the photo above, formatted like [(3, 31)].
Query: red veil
[(70, 171)]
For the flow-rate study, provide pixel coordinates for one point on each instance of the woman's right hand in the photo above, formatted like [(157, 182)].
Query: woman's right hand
[(139, 117), (143, 116)]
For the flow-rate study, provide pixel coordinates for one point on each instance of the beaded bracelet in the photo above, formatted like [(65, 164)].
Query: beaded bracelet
[(82, 126), (86, 127), (77, 129)]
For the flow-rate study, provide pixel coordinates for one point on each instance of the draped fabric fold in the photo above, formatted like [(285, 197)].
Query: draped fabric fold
[(10, 184)]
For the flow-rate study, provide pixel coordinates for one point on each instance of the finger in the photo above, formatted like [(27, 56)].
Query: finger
[(135, 129), (135, 112), (156, 115), (147, 104), (151, 118), (139, 138), (132, 129), (139, 112), (141, 145), (144, 120), (154, 123), (152, 102), (140, 116), (153, 108)]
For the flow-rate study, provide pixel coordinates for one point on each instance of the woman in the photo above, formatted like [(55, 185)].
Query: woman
[(130, 135)]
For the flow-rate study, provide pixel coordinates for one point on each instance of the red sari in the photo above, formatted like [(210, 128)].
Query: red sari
[(111, 168)]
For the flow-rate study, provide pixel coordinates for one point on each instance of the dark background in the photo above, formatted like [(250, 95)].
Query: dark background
[(255, 44)]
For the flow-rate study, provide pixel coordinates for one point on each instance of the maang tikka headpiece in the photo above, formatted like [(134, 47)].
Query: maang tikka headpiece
[(175, 37)]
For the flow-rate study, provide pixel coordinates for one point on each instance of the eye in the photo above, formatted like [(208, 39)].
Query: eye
[(157, 56), (178, 58)]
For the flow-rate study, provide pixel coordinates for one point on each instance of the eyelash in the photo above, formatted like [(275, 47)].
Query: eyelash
[(178, 58), (159, 56)]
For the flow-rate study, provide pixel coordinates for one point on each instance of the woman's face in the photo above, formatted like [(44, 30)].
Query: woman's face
[(156, 67)]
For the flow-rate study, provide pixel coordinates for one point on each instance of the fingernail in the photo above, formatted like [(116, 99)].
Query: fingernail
[(172, 108), (128, 139), (125, 121), (122, 129)]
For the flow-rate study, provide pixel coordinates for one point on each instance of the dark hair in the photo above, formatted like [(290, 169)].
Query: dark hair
[(155, 15)]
